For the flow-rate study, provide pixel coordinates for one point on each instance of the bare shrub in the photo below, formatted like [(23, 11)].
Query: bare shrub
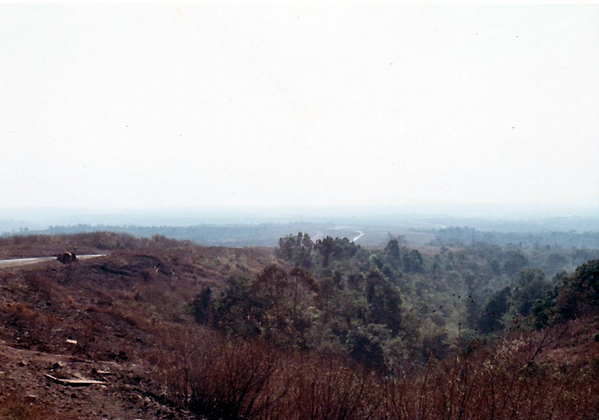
[(219, 377), (328, 387), (39, 285), (20, 314), (234, 379), (501, 381), (148, 274)]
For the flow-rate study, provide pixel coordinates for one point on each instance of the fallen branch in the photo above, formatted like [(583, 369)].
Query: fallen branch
[(74, 382), (544, 343)]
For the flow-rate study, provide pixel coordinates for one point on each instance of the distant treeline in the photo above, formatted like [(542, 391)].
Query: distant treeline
[(208, 235), (268, 234), (456, 236)]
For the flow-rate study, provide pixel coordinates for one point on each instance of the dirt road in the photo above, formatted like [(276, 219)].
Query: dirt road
[(25, 261)]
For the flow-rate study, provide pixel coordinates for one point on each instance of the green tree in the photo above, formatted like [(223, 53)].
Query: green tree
[(530, 275), (365, 343), (515, 262), (237, 311), (497, 305), (202, 306), (326, 247), (412, 261), (587, 278), (296, 249), (577, 294), (393, 253), (384, 301), (580, 292)]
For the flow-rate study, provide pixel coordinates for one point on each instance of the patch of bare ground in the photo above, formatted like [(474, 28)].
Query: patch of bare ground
[(100, 389)]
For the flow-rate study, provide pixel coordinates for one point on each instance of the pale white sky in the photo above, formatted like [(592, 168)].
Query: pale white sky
[(152, 106)]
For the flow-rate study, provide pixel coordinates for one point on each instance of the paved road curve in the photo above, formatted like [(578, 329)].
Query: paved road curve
[(26, 261)]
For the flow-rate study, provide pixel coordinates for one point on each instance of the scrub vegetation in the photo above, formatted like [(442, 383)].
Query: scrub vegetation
[(311, 329)]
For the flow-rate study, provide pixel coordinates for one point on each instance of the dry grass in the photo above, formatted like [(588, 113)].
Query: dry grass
[(220, 378)]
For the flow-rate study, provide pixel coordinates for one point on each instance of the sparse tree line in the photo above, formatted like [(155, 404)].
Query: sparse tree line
[(266, 234)]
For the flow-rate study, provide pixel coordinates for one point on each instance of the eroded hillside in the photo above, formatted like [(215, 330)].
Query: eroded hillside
[(106, 319)]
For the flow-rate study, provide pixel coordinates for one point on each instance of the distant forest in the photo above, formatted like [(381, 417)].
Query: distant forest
[(208, 235), (456, 236), (268, 234), (240, 235)]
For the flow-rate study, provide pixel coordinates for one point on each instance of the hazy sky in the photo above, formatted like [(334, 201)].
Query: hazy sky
[(190, 106)]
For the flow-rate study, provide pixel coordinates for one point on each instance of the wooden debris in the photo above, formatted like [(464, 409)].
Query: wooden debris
[(74, 382), (101, 372)]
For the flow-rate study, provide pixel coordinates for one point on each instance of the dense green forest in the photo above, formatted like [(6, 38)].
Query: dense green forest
[(379, 306)]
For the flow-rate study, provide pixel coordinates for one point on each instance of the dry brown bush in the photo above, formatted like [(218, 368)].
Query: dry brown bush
[(328, 387), (502, 381), (218, 377)]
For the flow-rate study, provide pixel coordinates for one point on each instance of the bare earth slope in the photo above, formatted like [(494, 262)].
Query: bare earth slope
[(81, 340)]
